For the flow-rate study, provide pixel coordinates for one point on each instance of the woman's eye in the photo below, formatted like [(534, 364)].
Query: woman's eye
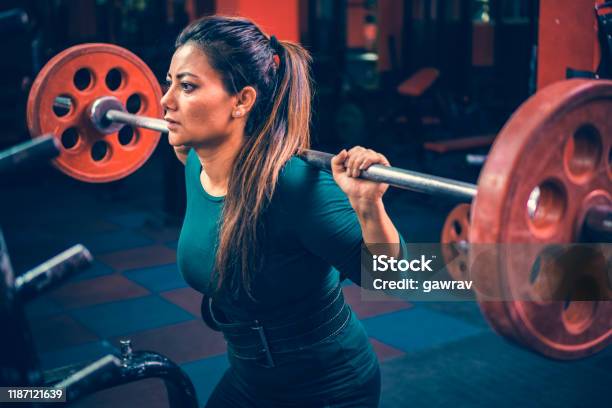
[(187, 86)]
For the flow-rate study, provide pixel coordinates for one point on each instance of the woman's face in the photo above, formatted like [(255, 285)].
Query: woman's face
[(196, 105)]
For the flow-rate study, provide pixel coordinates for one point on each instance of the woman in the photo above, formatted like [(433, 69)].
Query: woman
[(263, 229)]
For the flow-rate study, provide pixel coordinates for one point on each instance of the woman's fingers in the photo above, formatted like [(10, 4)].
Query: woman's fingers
[(383, 160), (338, 161), (358, 159), (353, 154)]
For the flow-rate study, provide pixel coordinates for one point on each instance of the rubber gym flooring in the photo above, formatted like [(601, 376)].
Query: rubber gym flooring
[(432, 354)]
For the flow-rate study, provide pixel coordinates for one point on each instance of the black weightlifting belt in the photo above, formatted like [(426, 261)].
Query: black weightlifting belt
[(262, 339)]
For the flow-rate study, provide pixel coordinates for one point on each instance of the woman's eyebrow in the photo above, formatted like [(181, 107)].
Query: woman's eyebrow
[(181, 75)]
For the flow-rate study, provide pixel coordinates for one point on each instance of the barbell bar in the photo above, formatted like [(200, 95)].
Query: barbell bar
[(108, 115)]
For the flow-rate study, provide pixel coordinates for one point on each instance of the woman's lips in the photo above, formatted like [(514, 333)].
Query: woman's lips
[(172, 125)]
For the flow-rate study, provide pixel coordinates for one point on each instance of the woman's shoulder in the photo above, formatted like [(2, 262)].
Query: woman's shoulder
[(297, 174), (302, 185)]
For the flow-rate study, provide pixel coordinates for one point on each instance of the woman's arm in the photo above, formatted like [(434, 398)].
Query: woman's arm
[(366, 198), (332, 215), (377, 228)]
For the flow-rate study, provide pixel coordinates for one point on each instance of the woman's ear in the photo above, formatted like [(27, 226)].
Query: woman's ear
[(244, 102)]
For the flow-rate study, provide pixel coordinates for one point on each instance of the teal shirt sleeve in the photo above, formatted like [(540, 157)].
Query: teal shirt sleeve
[(324, 222)]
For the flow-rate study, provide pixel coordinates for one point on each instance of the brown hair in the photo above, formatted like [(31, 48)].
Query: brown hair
[(277, 126)]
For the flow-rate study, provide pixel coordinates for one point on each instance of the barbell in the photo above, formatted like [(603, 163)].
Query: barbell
[(546, 173), (108, 116)]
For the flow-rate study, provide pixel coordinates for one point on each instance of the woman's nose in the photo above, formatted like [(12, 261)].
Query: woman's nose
[(166, 101)]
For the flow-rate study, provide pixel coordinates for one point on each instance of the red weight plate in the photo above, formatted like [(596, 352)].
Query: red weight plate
[(548, 166), (455, 241), (82, 74)]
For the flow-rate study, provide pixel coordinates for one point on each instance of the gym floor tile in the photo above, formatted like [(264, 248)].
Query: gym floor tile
[(369, 308), (605, 361), (133, 219), (95, 270), (385, 352), (128, 316), (113, 241), (71, 229), (59, 331), (205, 374), (42, 306), (64, 225), (160, 234), (76, 354), (97, 290), (139, 257), (147, 393), (418, 329), (488, 371), (181, 343), (187, 298), (157, 278), (468, 311)]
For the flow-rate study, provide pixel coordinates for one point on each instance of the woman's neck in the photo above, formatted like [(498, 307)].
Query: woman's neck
[(217, 162)]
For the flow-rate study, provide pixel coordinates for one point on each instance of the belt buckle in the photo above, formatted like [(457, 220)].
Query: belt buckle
[(264, 341)]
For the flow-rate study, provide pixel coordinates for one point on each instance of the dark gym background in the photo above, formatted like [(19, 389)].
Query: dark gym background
[(404, 77)]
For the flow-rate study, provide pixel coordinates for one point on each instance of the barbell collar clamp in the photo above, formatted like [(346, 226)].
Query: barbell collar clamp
[(99, 114)]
